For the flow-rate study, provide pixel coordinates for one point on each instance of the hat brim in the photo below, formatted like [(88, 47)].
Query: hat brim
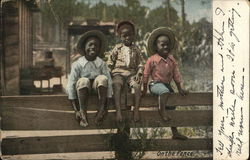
[(92, 33), (155, 34)]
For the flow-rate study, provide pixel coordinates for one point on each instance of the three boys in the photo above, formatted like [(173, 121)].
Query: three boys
[(126, 65)]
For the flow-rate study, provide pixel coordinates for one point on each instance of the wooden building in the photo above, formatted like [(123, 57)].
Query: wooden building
[(16, 42)]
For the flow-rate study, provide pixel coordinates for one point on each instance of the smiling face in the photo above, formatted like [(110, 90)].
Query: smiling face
[(127, 34), (92, 48), (163, 46)]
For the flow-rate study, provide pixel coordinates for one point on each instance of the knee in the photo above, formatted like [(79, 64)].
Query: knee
[(163, 92), (116, 86), (102, 80), (82, 83)]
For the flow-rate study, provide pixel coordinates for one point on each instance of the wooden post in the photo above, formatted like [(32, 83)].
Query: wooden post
[(122, 141)]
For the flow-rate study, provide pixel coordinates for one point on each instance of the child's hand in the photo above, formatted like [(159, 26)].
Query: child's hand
[(138, 78), (183, 92)]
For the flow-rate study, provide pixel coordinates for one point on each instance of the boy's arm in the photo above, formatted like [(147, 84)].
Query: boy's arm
[(178, 80), (112, 59), (146, 74), (73, 77), (141, 63), (105, 71)]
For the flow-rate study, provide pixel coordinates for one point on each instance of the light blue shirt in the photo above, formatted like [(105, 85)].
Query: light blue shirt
[(88, 69)]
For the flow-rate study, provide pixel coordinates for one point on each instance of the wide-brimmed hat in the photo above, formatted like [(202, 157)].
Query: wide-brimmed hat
[(125, 22), (93, 33), (155, 34)]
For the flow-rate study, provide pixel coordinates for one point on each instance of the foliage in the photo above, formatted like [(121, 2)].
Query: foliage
[(194, 39)]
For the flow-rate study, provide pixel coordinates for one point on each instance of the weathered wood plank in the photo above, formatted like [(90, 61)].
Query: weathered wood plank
[(60, 144), (12, 40), (11, 51), (12, 72), (92, 143), (11, 20), (178, 100), (12, 86), (13, 30), (170, 144), (60, 102), (12, 61), (30, 119)]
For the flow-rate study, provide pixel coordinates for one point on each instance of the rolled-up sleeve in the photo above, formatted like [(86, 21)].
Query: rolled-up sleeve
[(147, 71), (105, 71), (177, 75), (73, 77)]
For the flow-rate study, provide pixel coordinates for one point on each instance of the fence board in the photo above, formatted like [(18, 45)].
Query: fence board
[(171, 145), (59, 144), (91, 143), (60, 102), (31, 119)]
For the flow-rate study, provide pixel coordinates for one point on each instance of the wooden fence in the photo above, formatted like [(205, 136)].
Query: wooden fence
[(53, 112)]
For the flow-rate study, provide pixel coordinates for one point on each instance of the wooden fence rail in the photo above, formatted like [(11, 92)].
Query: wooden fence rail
[(54, 113)]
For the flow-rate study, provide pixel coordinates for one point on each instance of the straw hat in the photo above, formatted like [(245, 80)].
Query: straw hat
[(93, 33), (155, 34)]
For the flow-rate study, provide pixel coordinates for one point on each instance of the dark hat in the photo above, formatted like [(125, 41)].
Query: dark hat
[(92, 33), (125, 22), (155, 34)]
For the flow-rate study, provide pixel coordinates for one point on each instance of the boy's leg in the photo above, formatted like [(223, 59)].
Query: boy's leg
[(137, 89), (176, 134), (161, 90), (82, 88), (117, 86), (101, 84)]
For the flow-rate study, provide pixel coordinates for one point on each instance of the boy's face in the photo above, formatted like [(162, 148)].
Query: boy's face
[(162, 45), (92, 48), (127, 35)]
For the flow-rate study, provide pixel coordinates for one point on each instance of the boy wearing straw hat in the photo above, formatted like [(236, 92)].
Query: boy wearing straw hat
[(126, 65), (162, 68), (87, 73)]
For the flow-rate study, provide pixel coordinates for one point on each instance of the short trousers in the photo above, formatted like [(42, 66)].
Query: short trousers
[(158, 88), (100, 80), (130, 81)]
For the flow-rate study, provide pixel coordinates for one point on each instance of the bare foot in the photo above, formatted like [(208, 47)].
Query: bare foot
[(78, 115), (136, 116), (118, 117), (83, 121), (179, 136), (100, 116), (164, 116)]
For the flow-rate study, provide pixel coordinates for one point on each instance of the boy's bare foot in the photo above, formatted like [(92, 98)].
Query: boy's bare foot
[(83, 121), (164, 116), (118, 117), (78, 115), (136, 116), (179, 136), (100, 116)]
